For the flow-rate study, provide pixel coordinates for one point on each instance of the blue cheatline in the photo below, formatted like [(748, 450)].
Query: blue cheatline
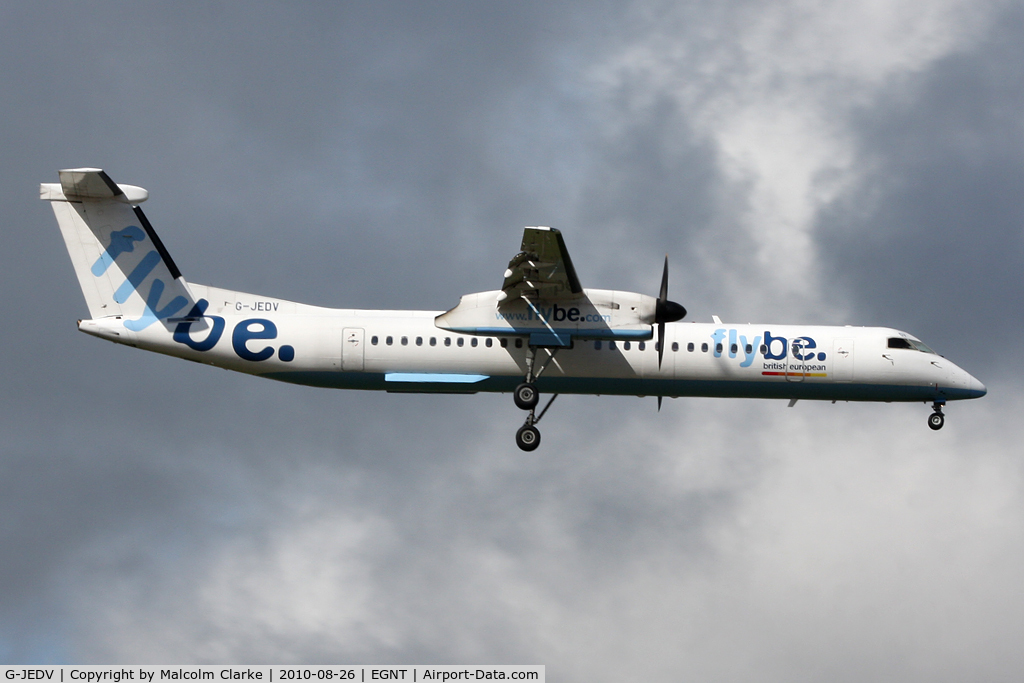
[(433, 377)]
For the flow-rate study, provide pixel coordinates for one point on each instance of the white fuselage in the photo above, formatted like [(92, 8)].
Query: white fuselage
[(407, 351)]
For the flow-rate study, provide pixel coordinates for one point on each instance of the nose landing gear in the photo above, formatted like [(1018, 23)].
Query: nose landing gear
[(937, 419)]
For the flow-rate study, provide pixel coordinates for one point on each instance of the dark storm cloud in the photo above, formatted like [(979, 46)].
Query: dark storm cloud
[(277, 109), (940, 217), (388, 155), (374, 114)]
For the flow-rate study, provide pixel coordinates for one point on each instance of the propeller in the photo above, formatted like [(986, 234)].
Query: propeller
[(665, 312)]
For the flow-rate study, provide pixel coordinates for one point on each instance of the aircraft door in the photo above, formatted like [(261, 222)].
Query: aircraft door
[(842, 360), (352, 349)]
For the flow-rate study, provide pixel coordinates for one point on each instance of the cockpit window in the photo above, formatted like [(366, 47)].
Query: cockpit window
[(913, 344), (920, 346)]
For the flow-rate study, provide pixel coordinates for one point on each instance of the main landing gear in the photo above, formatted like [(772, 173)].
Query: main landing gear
[(937, 419), (527, 397), (528, 436)]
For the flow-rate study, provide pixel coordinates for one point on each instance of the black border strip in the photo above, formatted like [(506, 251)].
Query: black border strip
[(175, 273), (574, 282), (114, 189)]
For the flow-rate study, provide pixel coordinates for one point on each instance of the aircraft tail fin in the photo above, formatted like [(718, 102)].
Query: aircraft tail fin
[(122, 266)]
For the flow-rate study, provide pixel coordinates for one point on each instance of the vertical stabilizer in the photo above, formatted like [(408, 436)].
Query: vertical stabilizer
[(122, 266)]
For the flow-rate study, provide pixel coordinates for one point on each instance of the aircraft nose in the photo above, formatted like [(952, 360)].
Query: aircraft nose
[(977, 387)]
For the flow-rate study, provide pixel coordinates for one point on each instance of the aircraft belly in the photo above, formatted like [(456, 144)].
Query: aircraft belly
[(626, 387)]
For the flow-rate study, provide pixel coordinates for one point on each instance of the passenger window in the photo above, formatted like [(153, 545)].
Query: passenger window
[(675, 346), (718, 348), (447, 341), (597, 345), (373, 340), (704, 347), (405, 341), (899, 343), (473, 343), (519, 342), (504, 343), (749, 349), (433, 341), (461, 341), (625, 346), (642, 346), (689, 347), (611, 344), (764, 349), (419, 341), (734, 349), (389, 341), (489, 342)]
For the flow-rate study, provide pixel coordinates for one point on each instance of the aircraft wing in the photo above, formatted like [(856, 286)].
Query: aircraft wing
[(542, 270)]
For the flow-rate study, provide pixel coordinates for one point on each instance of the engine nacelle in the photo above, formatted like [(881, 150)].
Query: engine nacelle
[(595, 314)]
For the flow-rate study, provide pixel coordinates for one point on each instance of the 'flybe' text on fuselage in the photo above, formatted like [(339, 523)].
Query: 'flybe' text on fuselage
[(553, 313), (772, 348)]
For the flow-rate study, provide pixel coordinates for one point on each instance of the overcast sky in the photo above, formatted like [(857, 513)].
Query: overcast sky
[(800, 162)]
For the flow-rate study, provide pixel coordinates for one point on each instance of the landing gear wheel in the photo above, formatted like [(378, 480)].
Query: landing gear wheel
[(936, 420), (528, 437), (526, 396)]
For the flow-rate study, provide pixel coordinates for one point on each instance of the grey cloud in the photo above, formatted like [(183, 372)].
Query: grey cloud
[(388, 155), (941, 220)]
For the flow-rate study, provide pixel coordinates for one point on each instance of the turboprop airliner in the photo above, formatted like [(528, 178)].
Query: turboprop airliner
[(541, 332)]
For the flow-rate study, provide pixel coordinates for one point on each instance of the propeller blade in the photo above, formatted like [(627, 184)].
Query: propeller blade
[(663, 294), (665, 311), (659, 404), (661, 343), (662, 298)]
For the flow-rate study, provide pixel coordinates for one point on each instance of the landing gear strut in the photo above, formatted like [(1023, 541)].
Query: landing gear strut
[(937, 419), (527, 397)]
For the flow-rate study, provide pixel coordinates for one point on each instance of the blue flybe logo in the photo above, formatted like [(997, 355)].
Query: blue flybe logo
[(251, 329), (242, 335), (775, 348), (123, 242)]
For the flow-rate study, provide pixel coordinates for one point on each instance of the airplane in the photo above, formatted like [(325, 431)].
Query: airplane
[(540, 332)]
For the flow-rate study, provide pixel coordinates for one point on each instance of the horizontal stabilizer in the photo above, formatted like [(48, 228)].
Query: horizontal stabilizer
[(90, 184)]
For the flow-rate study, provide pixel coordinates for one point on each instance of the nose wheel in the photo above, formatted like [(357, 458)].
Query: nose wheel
[(937, 419)]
